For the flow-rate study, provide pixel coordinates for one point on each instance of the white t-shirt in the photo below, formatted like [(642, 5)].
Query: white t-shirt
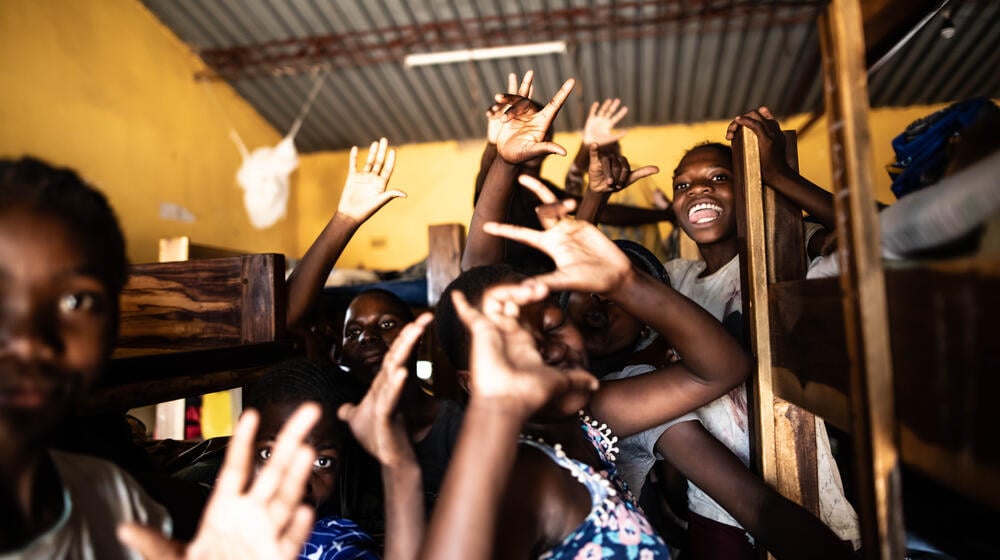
[(97, 497), (726, 418), (637, 452)]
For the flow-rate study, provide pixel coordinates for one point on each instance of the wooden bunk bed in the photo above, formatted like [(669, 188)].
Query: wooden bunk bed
[(199, 325), (904, 360)]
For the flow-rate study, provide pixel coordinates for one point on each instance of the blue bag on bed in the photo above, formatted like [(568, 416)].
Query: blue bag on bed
[(922, 149)]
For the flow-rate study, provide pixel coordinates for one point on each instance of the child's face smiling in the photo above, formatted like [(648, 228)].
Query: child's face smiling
[(325, 438), (703, 195), (56, 323)]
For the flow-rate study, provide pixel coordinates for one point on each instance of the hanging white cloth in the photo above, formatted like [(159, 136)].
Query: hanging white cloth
[(265, 173)]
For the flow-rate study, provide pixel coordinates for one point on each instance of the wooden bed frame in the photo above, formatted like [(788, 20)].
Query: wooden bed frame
[(216, 321), (905, 360)]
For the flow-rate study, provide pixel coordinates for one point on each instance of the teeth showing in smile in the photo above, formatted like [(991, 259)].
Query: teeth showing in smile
[(704, 213)]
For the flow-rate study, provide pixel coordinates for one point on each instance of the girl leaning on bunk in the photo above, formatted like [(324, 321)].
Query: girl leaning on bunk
[(62, 268)]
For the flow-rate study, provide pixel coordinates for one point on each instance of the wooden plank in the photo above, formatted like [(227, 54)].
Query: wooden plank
[(444, 258), (944, 357), (862, 282), (262, 308), (201, 304), (786, 252), (748, 191), (810, 356)]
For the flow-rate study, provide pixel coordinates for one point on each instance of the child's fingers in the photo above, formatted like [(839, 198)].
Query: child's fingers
[(371, 157), (283, 453), (545, 148), (288, 495), (405, 341), (526, 84), (593, 109), (239, 456), (383, 143), (538, 189), (582, 380), (512, 83), (642, 173), (352, 162), (346, 412), (297, 531), (149, 542), (766, 113), (528, 236), (390, 164), (559, 98), (617, 117), (549, 215), (615, 103)]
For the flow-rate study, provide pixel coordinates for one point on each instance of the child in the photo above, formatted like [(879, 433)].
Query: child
[(373, 319), (704, 206), (62, 267), (536, 354), (614, 336), (276, 396)]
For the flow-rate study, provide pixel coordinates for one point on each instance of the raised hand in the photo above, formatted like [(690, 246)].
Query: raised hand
[(599, 128), (586, 260), (375, 421), (266, 520), (507, 372), (495, 113), (365, 190), (522, 132), (773, 164), (609, 172)]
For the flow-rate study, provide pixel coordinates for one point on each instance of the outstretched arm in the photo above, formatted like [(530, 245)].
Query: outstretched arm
[(598, 129), (363, 195), (587, 261), (510, 382), (783, 527), (493, 122), (775, 170), (520, 138), (379, 428)]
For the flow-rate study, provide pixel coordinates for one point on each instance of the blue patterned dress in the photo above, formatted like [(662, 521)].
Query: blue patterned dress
[(615, 528), (336, 538)]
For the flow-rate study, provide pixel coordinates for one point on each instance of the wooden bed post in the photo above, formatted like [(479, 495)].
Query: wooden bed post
[(772, 250), (862, 282)]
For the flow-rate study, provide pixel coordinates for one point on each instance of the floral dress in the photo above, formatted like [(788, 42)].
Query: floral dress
[(615, 527)]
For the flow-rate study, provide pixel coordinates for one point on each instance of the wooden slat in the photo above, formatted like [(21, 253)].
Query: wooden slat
[(444, 258), (202, 303), (152, 378), (862, 282), (771, 247)]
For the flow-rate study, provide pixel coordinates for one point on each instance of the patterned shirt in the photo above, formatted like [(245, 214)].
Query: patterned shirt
[(615, 527), (335, 538)]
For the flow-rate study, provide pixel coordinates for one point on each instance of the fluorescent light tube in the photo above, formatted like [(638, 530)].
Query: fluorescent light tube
[(465, 55)]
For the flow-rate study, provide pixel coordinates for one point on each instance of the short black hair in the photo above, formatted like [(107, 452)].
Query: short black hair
[(724, 148), (472, 283), (406, 314), (299, 380), (31, 184)]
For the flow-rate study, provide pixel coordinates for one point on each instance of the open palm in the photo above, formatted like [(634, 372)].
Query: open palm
[(365, 190)]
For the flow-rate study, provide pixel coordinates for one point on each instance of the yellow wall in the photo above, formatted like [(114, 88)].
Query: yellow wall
[(102, 86), (439, 179)]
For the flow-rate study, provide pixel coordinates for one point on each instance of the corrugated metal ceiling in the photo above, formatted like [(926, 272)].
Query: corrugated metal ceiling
[(670, 61)]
